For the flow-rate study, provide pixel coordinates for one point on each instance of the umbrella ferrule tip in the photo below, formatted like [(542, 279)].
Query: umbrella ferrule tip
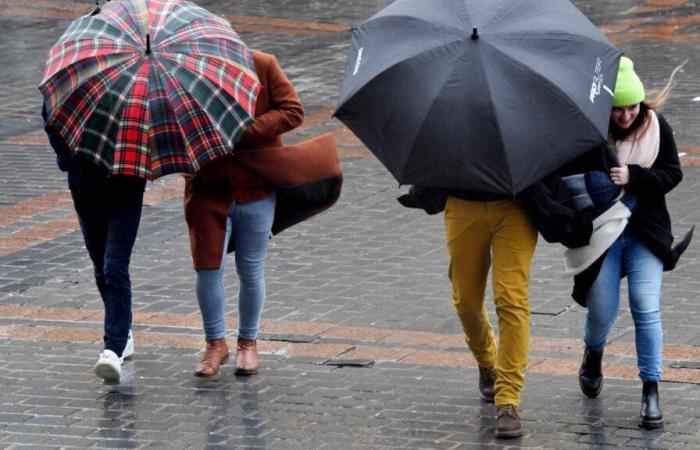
[(475, 34)]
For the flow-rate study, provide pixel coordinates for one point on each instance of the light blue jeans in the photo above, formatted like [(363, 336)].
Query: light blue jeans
[(644, 273), (252, 225)]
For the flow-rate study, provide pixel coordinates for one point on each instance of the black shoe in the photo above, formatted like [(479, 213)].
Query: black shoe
[(590, 376), (508, 424), (487, 380), (650, 416)]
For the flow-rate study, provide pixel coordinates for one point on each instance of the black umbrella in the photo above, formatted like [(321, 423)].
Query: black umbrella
[(483, 95)]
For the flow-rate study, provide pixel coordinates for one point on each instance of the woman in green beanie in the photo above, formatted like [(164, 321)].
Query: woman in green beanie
[(647, 168)]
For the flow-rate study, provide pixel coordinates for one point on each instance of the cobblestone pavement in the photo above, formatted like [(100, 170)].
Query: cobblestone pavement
[(360, 345)]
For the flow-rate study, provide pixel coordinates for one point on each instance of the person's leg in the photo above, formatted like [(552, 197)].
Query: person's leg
[(252, 225), (645, 272), (644, 275), (514, 241), (603, 305), (209, 286), (469, 246), (125, 205), (89, 202), (212, 304), (603, 301)]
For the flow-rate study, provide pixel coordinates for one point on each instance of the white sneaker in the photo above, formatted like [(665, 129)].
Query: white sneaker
[(129, 349), (109, 366)]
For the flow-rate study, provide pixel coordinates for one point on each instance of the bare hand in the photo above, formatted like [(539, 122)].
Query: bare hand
[(620, 175)]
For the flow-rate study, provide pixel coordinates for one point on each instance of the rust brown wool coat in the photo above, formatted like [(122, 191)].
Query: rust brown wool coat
[(307, 176)]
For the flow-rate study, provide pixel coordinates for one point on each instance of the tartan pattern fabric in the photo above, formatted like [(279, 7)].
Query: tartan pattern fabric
[(149, 115), (200, 135), (165, 133), (131, 152), (71, 117), (63, 83)]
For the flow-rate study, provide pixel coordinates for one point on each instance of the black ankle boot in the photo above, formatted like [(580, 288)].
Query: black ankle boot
[(651, 416), (590, 376)]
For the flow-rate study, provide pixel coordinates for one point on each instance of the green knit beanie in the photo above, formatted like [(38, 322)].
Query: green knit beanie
[(629, 89)]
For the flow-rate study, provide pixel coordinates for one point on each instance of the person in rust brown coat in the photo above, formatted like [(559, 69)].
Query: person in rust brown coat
[(234, 204)]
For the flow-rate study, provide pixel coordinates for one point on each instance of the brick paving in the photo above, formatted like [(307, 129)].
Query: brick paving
[(360, 346)]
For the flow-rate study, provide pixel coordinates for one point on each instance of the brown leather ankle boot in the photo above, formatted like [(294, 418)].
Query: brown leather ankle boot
[(246, 357), (215, 354)]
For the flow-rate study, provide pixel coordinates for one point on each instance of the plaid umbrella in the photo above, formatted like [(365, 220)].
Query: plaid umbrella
[(150, 87)]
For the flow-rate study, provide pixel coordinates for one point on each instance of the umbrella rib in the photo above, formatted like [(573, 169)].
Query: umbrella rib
[(105, 142), (521, 36), (203, 15), (400, 59), (393, 17), (438, 95), (173, 57), (553, 86), (224, 35), (522, 19), (231, 101), (166, 76), (84, 119), (201, 57), (213, 124), (497, 123), (57, 96)]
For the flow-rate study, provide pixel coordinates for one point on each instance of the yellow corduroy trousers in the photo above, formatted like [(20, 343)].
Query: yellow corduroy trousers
[(481, 234)]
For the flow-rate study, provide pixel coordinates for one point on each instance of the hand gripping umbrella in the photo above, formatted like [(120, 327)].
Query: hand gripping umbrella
[(487, 96), (150, 87)]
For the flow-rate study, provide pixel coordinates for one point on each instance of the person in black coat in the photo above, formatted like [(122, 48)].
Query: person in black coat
[(642, 159)]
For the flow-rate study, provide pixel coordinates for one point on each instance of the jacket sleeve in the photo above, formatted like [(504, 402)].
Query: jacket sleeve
[(286, 111), (64, 160), (664, 174), (556, 221)]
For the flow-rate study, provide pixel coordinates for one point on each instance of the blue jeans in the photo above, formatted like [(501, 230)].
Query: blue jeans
[(109, 212), (644, 273), (251, 224)]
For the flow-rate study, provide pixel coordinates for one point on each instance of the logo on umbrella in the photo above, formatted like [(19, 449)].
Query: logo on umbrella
[(358, 61), (598, 82)]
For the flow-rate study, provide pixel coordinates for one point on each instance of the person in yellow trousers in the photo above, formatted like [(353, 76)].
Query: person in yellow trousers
[(485, 233)]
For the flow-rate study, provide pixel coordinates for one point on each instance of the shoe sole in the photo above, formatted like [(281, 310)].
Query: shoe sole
[(245, 372), (508, 434), (651, 424), (107, 372)]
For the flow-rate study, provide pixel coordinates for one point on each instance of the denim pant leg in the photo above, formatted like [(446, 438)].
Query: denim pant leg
[(603, 301), (252, 224), (122, 228), (109, 218), (211, 296), (645, 272)]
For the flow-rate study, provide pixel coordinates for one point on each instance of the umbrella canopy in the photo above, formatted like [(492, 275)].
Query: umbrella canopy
[(488, 96), (150, 87)]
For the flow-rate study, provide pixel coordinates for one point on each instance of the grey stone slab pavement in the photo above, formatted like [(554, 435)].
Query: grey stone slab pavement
[(365, 263)]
